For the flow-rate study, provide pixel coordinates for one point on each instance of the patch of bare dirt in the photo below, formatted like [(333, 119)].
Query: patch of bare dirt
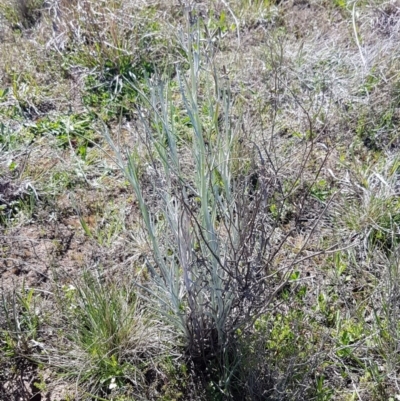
[(53, 244), (28, 254), (21, 386)]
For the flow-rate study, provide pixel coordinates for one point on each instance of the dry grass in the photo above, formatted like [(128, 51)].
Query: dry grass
[(199, 200)]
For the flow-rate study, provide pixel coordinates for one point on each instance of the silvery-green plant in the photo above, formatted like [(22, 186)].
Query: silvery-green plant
[(204, 197)]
